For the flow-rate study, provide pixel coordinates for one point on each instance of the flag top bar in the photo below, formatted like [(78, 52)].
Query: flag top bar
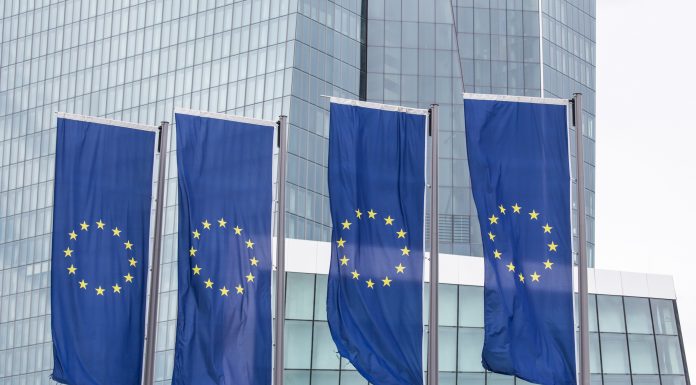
[(378, 106), (511, 98), (105, 121), (221, 116)]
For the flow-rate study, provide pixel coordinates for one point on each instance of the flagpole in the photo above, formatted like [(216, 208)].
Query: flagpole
[(151, 334), (434, 266), (582, 244), (280, 253)]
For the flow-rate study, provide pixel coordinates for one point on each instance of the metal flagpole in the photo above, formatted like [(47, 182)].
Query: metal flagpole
[(434, 267), (151, 334), (582, 245), (280, 252)]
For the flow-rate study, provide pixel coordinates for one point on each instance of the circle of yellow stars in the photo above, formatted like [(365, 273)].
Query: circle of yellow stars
[(196, 270), (400, 234), (73, 271), (497, 255)]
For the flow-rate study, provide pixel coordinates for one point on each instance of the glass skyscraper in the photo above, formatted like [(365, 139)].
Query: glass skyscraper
[(137, 60)]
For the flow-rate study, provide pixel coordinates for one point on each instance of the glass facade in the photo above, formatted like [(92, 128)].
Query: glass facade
[(136, 60)]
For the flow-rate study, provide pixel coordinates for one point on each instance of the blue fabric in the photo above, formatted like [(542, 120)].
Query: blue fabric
[(225, 202), (103, 195), (518, 160), (376, 187)]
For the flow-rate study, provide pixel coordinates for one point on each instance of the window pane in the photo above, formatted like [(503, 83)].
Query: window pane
[(617, 379), (673, 380), (498, 379), (611, 315), (447, 348), (669, 354), (471, 378), (324, 354), (614, 353), (352, 378), (325, 377), (471, 306), (447, 305), (646, 379), (297, 347), (296, 377), (643, 355), (470, 345), (595, 356), (638, 318), (663, 316), (300, 296)]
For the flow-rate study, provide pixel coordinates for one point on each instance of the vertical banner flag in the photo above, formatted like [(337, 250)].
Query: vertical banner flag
[(375, 286), (519, 166), (225, 208), (99, 256)]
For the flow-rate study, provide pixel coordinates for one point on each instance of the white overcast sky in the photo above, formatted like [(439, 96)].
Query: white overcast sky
[(646, 145)]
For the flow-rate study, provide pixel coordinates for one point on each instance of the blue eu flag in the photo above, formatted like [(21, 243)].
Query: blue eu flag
[(375, 286), (225, 208), (99, 256), (518, 160)]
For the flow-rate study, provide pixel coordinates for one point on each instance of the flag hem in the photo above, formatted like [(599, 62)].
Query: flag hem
[(377, 106), (512, 98), (221, 116), (105, 121)]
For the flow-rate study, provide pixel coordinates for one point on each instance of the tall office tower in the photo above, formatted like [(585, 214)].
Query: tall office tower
[(137, 60)]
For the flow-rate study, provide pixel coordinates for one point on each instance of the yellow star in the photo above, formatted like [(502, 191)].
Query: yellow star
[(388, 220), (129, 245), (192, 252), (371, 214), (72, 269), (222, 223), (100, 291), (370, 284), (356, 275), (340, 242), (497, 254), (128, 277), (401, 233), (386, 281), (511, 267), (84, 226), (208, 284), (552, 246), (358, 213), (493, 219), (491, 236), (344, 261), (254, 261), (249, 244), (400, 269), (534, 215), (100, 225), (224, 291), (196, 234), (346, 225), (116, 231), (240, 289), (68, 252), (405, 251), (250, 277), (238, 230), (535, 277), (516, 209), (502, 209), (206, 225), (196, 270), (548, 264), (547, 228), (73, 235), (132, 261), (117, 288), (521, 277), (83, 284)]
